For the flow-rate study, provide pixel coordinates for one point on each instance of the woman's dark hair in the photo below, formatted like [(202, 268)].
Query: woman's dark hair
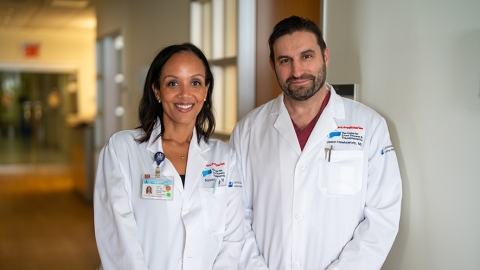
[(294, 24), (149, 108)]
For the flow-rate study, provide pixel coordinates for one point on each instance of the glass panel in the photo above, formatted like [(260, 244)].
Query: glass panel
[(99, 132), (218, 30), (230, 101), (218, 38), (196, 24), (119, 80), (218, 97), (230, 28), (207, 29), (109, 92)]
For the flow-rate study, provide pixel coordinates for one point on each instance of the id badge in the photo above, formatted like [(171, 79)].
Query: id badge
[(157, 188)]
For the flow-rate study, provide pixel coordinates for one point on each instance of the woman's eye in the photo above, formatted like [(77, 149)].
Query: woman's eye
[(172, 83), (197, 83)]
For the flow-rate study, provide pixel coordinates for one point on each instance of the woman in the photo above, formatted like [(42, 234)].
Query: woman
[(193, 218)]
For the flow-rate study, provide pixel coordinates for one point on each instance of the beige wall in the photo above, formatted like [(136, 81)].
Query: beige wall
[(418, 64), (147, 26), (60, 50)]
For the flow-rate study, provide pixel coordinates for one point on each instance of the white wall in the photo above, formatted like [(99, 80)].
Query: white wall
[(417, 62), (147, 27)]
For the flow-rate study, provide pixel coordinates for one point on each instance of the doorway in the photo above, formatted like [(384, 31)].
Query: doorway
[(33, 107)]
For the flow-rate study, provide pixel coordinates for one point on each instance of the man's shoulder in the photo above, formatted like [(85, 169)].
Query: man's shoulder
[(258, 114), (357, 108)]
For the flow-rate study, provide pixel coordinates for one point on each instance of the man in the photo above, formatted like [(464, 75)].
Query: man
[(322, 187)]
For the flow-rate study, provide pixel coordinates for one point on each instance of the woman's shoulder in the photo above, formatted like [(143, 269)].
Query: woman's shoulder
[(126, 136)]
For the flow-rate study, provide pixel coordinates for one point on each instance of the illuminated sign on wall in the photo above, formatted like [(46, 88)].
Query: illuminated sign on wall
[(31, 50)]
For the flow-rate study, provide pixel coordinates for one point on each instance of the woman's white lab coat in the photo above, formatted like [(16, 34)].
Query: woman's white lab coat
[(310, 213), (196, 230)]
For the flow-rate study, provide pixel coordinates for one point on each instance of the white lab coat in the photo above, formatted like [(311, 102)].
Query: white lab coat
[(303, 212), (197, 230)]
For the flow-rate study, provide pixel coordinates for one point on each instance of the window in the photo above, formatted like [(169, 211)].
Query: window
[(213, 28)]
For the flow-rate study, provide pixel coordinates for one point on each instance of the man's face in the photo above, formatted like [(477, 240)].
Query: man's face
[(299, 65)]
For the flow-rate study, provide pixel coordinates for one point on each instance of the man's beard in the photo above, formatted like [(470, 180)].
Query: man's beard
[(305, 92)]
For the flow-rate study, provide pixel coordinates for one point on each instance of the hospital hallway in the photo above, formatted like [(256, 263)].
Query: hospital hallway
[(44, 222)]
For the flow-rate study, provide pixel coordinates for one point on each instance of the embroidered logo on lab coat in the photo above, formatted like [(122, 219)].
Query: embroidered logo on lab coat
[(214, 171), (347, 136), (235, 184), (387, 149)]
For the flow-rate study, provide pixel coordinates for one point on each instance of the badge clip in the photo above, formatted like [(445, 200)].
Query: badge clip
[(159, 158)]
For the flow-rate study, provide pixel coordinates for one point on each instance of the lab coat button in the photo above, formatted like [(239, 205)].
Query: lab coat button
[(299, 216), (180, 261), (296, 264), (302, 167), (185, 210)]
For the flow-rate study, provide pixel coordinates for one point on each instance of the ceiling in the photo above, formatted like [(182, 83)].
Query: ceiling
[(57, 14)]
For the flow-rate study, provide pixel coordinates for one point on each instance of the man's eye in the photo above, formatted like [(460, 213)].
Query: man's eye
[(307, 56), (284, 61)]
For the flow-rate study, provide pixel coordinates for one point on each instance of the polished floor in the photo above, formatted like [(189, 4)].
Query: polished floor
[(44, 222)]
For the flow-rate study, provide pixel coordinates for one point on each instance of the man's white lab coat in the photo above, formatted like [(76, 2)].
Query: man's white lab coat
[(305, 212), (197, 230)]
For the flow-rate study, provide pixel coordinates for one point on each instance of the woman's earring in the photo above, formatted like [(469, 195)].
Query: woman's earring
[(159, 101), (205, 99)]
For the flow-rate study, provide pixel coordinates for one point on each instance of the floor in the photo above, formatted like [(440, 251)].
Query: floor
[(44, 222)]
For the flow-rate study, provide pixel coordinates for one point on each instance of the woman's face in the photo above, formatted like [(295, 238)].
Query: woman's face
[(182, 89)]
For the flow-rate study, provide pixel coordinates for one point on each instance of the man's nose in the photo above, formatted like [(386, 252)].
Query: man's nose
[(297, 69)]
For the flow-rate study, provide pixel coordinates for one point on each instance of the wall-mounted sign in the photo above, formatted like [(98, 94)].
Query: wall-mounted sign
[(31, 50)]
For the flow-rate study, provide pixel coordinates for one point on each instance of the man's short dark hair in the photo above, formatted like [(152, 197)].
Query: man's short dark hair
[(294, 24)]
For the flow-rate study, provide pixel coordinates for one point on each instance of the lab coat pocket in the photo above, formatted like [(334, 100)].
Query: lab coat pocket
[(214, 207), (343, 175)]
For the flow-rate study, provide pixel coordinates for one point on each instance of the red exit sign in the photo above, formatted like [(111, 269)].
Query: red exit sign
[(31, 50)]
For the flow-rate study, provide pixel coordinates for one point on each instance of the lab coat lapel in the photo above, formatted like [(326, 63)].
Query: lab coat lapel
[(283, 124), (166, 168), (195, 165), (326, 123)]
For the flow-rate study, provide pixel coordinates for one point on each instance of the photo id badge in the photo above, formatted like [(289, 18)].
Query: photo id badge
[(157, 188)]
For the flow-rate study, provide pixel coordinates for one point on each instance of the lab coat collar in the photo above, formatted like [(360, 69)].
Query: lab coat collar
[(154, 145), (326, 123), (283, 123), (335, 104), (195, 163)]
